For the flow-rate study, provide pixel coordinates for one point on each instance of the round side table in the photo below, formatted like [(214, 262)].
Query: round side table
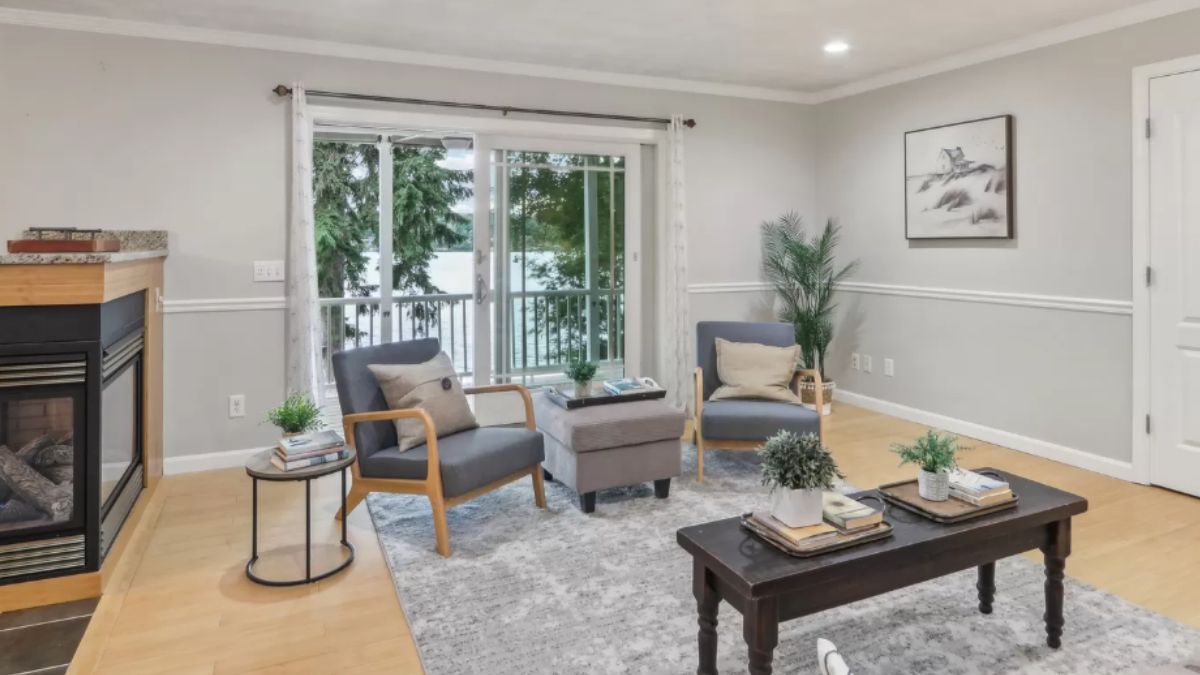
[(259, 467)]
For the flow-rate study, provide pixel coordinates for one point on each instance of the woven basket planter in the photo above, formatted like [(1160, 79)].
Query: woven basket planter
[(808, 395)]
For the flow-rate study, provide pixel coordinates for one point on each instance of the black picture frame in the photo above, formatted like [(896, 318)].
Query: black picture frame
[(1009, 186)]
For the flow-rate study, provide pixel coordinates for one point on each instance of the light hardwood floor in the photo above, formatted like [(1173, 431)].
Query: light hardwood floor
[(181, 604)]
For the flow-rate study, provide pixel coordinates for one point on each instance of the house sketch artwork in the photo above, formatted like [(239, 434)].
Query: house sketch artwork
[(958, 181)]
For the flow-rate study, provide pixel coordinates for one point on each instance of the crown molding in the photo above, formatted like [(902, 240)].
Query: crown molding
[(1156, 9), (281, 43), (1148, 11)]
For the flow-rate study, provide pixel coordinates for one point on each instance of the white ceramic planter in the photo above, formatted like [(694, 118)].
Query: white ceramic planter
[(583, 389), (796, 508), (808, 395), (933, 486)]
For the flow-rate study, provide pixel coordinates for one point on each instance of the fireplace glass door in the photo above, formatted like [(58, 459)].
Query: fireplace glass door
[(41, 424), (120, 447)]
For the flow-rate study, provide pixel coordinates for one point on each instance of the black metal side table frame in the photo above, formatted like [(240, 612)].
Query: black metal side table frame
[(257, 471)]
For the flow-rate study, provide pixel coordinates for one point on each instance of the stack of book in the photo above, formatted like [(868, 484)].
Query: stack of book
[(629, 385), (843, 518), (978, 489), (305, 450)]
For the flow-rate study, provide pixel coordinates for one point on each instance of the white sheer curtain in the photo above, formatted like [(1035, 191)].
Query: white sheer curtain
[(675, 342), (303, 314)]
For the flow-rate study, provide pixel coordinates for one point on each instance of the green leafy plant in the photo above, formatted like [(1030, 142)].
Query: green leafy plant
[(803, 273), (797, 462), (581, 372), (296, 415), (934, 452)]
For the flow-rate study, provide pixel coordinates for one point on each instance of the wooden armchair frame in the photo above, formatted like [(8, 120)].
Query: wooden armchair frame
[(431, 485), (703, 444)]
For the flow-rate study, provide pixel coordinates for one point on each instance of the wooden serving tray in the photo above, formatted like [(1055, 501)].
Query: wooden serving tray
[(904, 495), (842, 541), (64, 245)]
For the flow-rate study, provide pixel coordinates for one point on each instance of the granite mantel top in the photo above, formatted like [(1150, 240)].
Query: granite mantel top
[(135, 245)]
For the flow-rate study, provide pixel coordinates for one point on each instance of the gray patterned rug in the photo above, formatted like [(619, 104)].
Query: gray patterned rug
[(556, 591)]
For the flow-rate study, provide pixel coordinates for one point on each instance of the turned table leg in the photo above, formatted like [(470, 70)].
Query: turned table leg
[(707, 603), (1054, 553), (761, 631), (986, 586)]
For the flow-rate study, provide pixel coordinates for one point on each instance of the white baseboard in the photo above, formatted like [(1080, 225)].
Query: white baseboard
[(225, 459), (1007, 439)]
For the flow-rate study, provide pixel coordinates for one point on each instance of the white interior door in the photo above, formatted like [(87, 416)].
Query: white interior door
[(1175, 291)]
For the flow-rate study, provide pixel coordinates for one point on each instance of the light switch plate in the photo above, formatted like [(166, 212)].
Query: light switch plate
[(854, 361), (889, 367), (866, 363), (268, 270), (237, 405)]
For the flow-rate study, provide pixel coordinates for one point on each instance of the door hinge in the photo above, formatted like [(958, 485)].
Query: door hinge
[(1147, 423), (1147, 127), (1149, 275)]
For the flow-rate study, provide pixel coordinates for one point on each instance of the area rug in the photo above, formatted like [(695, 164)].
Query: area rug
[(556, 591)]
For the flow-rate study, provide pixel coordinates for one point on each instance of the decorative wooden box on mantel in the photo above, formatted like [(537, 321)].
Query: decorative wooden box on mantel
[(80, 413)]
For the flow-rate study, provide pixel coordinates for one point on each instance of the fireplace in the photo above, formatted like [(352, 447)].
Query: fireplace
[(71, 433)]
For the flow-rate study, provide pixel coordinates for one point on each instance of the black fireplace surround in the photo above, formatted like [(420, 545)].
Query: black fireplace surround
[(71, 441)]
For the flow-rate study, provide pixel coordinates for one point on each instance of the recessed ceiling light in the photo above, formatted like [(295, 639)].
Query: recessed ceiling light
[(836, 47)]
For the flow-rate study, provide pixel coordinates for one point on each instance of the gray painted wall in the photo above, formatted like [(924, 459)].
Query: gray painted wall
[(106, 131), (1058, 376)]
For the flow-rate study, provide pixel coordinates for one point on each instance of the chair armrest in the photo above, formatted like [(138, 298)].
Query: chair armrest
[(434, 473), (499, 388), (819, 396), (698, 409)]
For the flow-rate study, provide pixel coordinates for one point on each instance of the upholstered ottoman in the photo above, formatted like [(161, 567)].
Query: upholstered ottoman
[(612, 445)]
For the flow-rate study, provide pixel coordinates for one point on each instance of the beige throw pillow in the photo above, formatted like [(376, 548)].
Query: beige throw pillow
[(752, 370), (433, 387)]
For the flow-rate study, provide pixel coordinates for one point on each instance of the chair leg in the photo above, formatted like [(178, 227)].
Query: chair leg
[(699, 457), (440, 529), (353, 499), (539, 488)]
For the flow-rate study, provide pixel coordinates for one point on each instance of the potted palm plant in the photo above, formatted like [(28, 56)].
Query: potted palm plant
[(296, 415), (804, 275), (935, 453), (581, 373), (797, 469)]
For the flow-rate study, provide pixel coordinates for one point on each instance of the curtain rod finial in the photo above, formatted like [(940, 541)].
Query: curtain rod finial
[(689, 123), (282, 90)]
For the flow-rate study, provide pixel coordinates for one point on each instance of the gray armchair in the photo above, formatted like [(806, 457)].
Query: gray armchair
[(448, 470), (744, 424)]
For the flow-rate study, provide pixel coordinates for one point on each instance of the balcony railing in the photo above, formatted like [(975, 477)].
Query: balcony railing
[(548, 329)]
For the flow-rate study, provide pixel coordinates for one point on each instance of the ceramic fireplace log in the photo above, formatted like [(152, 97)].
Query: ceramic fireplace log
[(33, 488), (59, 475), (51, 455), (33, 447)]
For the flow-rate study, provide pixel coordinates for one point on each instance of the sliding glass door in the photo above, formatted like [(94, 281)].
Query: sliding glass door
[(559, 221), (518, 254)]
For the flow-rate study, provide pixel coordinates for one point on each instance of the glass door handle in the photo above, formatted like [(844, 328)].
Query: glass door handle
[(481, 290)]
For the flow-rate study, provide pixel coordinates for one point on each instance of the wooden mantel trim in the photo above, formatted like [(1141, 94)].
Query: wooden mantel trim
[(91, 284)]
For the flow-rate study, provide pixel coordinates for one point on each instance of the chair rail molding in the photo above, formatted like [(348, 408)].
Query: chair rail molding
[(222, 305), (1035, 300)]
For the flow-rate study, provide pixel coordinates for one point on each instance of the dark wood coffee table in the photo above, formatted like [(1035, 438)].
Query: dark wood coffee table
[(767, 586)]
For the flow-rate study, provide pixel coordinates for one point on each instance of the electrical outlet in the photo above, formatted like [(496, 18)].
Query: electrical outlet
[(268, 270), (866, 363), (889, 367), (237, 405), (854, 361)]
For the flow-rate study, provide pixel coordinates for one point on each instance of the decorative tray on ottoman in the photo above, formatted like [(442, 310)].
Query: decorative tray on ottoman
[(567, 399), (843, 540), (904, 495)]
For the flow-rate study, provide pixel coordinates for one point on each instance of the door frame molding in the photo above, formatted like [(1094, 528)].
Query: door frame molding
[(1142, 76)]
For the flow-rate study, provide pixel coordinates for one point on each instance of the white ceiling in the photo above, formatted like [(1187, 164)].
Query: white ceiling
[(771, 44)]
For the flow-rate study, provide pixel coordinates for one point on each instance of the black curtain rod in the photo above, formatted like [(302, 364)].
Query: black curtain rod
[(283, 90)]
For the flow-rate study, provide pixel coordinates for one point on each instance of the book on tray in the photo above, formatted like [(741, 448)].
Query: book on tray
[(307, 444), (629, 385), (292, 463), (978, 489), (847, 514), (809, 535)]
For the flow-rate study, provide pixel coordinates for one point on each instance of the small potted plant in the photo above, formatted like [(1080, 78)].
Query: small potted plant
[(581, 373), (935, 454), (798, 470), (296, 415)]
